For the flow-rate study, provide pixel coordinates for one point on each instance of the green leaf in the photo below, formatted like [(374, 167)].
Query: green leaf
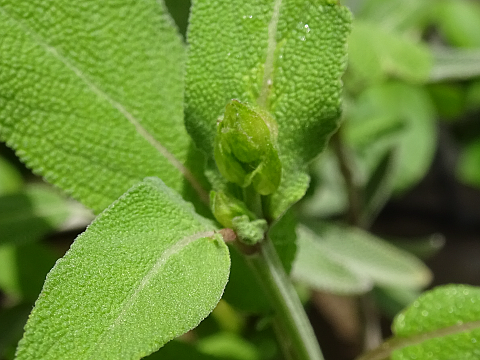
[(459, 22), (394, 102), (371, 257), (284, 57), (284, 238), (376, 53), (23, 269), (400, 15), (228, 346), (442, 324), (88, 92), (176, 350), (10, 179), (468, 169), (242, 277), (12, 320), (146, 270), (28, 215), (328, 197), (392, 300), (318, 268), (450, 65)]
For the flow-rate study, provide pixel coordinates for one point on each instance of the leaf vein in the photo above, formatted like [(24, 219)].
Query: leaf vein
[(115, 104), (156, 268)]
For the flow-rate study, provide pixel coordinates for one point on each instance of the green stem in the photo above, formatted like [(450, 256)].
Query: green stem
[(295, 333)]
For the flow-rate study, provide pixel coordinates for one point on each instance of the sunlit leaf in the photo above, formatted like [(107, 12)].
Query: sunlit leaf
[(145, 271)]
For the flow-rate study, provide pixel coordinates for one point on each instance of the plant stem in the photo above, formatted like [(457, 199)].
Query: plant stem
[(293, 328)]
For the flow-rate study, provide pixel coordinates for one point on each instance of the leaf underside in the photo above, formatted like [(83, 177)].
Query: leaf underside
[(133, 281)]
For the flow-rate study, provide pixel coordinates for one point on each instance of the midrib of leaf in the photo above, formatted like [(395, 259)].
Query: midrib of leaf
[(385, 350), (119, 107), (269, 61), (156, 268)]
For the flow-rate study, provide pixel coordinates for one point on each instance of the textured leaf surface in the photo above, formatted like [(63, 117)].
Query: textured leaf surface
[(283, 56), (91, 95), (442, 324), (30, 214), (147, 270)]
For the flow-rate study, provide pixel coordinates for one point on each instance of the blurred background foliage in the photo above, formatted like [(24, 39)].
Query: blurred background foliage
[(396, 192)]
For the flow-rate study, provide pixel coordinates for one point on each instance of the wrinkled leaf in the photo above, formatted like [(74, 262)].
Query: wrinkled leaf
[(87, 93), (285, 57), (442, 324), (132, 282), (28, 215)]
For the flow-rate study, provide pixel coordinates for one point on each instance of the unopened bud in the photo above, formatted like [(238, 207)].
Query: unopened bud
[(245, 148)]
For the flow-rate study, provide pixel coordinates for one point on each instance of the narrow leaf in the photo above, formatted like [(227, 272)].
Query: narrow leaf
[(146, 270), (91, 95), (372, 257), (284, 56), (450, 65), (442, 324)]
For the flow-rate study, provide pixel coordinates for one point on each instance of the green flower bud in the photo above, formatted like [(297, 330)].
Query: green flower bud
[(245, 148), (233, 214), (225, 208)]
